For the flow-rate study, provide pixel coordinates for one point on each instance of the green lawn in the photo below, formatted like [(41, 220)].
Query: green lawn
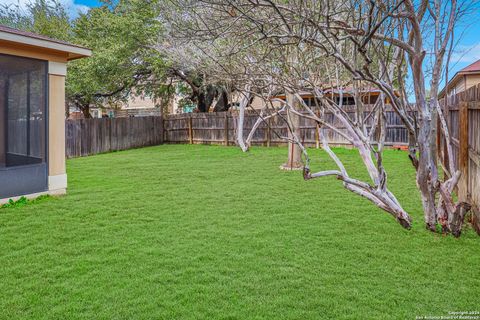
[(206, 232)]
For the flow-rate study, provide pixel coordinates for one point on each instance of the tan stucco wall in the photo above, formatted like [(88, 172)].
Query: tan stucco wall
[(140, 102), (463, 82), (473, 80), (56, 125), (258, 103)]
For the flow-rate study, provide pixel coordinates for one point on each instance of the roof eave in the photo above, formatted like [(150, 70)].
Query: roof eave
[(455, 79), (74, 56), (74, 52)]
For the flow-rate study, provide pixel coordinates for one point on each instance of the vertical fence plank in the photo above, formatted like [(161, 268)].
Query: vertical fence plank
[(269, 132), (463, 151), (190, 129), (91, 136), (446, 113), (225, 130)]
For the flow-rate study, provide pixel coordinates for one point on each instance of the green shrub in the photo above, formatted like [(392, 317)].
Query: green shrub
[(23, 201)]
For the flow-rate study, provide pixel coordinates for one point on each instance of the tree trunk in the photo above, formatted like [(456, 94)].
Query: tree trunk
[(476, 220), (426, 169), (294, 160), (456, 222), (424, 178), (240, 122), (222, 103), (201, 102), (205, 98), (86, 111)]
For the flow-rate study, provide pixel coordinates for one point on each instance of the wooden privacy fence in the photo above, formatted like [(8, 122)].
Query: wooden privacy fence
[(91, 136), (462, 112), (220, 128)]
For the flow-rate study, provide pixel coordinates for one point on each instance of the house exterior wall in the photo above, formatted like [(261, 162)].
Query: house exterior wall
[(57, 178), (459, 86), (462, 83), (139, 102), (472, 80), (257, 103)]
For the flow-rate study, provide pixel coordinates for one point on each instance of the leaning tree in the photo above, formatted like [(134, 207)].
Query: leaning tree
[(332, 48)]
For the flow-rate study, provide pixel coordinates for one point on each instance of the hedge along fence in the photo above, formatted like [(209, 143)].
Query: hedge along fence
[(462, 113), (91, 136), (220, 128)]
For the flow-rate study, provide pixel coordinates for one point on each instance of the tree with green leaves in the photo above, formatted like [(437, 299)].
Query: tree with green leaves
[(120, 35), (46, 17)]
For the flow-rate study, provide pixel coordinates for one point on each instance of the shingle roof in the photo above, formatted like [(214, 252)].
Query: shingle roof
[(35, 36), (474, 67)]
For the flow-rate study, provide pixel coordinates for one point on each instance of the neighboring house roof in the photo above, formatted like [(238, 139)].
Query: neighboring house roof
[(35, 40), (473, 68), (336, 91)]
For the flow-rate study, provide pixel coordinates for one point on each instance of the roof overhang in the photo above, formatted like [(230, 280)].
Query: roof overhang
[(451, 84), (72, 51), (335, 92)]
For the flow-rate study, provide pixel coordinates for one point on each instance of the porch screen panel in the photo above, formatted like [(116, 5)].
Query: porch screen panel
[(25, 110), (37, 114), (23, 125), (17, 115)]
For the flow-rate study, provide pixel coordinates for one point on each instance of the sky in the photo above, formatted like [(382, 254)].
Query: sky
[(466, 52), (73, 6), (467, 49), (90, 3)]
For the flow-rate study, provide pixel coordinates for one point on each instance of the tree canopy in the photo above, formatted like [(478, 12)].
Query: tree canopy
[(120, 35)]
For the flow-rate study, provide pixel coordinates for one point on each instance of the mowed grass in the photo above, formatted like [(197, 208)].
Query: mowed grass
[(209, 232)]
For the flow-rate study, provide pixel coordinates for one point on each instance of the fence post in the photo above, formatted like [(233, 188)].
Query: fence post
[(159, 129), (463, 151), (446, 115), (317, 131), (269, 133), (439, 140), (226, 128), (190, 128), (164, 131)]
